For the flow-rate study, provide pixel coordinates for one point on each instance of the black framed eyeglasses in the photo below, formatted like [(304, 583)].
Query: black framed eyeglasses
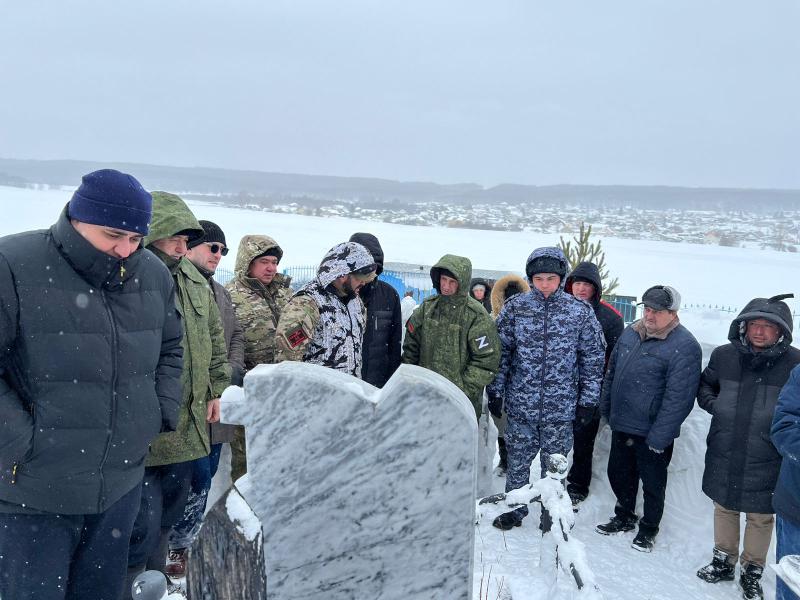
[(217, 248)]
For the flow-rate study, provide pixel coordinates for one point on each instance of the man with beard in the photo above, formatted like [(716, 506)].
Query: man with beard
[(323, 323)]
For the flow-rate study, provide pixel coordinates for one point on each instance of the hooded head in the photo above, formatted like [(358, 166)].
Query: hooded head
[(547, 260), (172, 217), (344, 259), (773, 310), (371, 243), (457, 267), (507, 287), (252, 247), (589, 273)]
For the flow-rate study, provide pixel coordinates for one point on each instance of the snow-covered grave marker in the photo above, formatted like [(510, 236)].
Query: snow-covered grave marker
[(361, 493), (788, 569), (557, 545)]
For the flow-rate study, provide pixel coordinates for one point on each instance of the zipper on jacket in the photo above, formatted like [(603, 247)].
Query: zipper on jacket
[(113, 397)]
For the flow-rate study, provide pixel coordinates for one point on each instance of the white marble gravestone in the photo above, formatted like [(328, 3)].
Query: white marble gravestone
[(362, 493)]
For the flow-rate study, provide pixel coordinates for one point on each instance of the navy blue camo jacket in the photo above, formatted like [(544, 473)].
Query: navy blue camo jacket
[(553, 354)]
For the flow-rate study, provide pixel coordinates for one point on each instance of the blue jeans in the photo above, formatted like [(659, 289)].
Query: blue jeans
[(203, 470), (67, 557), (788, 535)]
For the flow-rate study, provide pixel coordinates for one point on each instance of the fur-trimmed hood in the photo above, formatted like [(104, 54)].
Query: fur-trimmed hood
[(505, 287)]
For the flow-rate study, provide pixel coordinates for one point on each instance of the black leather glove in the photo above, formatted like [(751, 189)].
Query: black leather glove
[(495, 404), (584, 415)]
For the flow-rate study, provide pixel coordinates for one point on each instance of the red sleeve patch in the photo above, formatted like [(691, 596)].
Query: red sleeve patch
[(410, 327), (296, 337)]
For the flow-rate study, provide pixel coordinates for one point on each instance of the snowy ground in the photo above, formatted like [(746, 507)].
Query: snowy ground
[(506, 563)]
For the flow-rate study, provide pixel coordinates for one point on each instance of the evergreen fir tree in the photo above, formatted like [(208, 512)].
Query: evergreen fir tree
[(581, 249)]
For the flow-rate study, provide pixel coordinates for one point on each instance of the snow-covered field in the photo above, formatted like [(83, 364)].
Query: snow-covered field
[(507, 562)]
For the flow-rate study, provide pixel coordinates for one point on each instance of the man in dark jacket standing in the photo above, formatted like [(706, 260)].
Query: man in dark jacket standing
[(585, 284), (205, 254), (90, 365), (480, 289), (786, 501), (323, 323), (384, 331), (551, 371), (452, 334), (206, 374), (648, 392), (740, 387)]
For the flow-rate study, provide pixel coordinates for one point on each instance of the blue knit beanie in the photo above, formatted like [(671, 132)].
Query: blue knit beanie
[(113, 199)]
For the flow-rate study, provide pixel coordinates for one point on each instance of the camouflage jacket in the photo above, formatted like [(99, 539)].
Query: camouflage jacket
[(206, 372), (454, 335), (257, 306), (553, 354), (320, 327)]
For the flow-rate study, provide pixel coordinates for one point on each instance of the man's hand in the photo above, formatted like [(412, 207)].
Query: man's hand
[(212, 411), (495, 404), (584, 415)]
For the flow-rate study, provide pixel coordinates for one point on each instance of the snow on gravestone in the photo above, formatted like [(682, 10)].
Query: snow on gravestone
[(362, 493)]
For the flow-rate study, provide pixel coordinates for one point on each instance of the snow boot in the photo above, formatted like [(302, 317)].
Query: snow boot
[(750, 582), (508, 520), (617, 524), (645, 538), (503, 451), (719, 569), (576, 498)]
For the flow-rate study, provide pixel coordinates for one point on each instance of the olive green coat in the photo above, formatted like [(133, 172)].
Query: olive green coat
[(454, 335), (257, 306), (205, 364)]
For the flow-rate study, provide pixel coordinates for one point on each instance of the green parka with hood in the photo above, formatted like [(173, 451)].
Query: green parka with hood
[(258, 306), (205, 363), (454, 335)]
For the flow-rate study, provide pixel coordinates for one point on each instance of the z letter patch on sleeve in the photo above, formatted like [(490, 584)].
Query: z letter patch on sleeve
[(296, 337), (482, 343)]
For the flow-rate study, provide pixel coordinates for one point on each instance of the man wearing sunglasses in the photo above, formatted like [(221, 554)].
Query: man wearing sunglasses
[(324, 322), (205, 254)]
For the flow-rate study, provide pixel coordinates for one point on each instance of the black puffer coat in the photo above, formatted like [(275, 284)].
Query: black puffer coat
[(90, 370), (740, 389), (384, 330)]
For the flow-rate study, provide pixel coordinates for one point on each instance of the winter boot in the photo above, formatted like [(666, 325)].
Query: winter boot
[(576, 498), (750, 582), (617, 524), (720, 569), (176, 563), (503, 451), (645, 538), (508, 520)]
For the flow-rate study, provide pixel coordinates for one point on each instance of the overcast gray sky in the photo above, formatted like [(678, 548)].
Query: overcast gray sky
[(675, 92)]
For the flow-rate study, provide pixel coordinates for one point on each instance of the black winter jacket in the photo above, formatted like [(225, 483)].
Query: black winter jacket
[(609, 318), (383, 334), (740, 389), (90, 366)]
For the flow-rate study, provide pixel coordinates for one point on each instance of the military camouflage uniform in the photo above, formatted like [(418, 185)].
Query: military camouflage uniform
[(454, 335), (319, 326), (552, 360), (257, 306)]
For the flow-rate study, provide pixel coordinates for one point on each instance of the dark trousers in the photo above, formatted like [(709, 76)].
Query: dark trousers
[(164, 493), (67, 557), (580, 474), (631, 461), (185, 530)]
